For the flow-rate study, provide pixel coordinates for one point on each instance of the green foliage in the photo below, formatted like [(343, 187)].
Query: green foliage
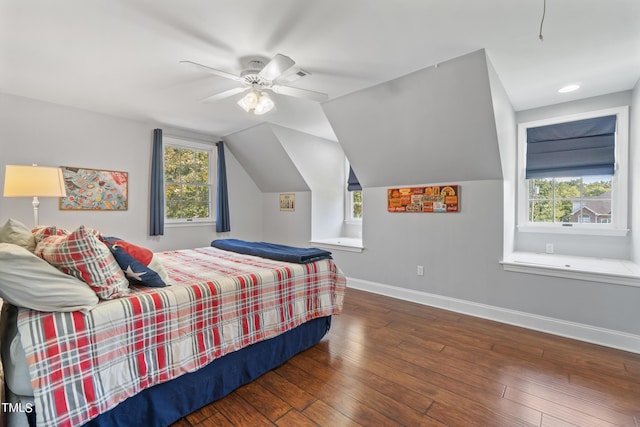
[(357, 204), (186, 183), (556, 199)]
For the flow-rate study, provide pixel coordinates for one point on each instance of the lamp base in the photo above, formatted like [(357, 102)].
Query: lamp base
[(36, 206)]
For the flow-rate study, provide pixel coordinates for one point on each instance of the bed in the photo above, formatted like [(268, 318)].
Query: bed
[(159, 353)]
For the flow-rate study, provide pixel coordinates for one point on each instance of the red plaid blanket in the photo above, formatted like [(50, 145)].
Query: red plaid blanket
[(83, 365)]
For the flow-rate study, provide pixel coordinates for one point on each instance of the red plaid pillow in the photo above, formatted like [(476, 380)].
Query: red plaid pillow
[(82, 255), (39, 233)]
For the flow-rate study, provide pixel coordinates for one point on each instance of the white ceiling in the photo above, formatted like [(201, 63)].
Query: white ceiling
[(121, 57)]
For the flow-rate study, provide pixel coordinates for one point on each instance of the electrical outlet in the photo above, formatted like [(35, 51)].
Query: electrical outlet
[(549, 248), (420, 271)]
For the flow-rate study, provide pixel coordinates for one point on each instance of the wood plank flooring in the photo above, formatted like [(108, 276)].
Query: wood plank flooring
[(388, 362)]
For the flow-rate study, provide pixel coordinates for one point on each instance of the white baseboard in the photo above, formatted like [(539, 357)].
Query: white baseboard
[(578, 331)]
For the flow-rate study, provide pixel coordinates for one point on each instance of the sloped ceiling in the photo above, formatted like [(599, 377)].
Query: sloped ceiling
[(433, 125), (281, 159), (261, 154)]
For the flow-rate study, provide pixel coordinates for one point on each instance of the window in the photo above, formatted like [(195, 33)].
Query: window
[(354, 197), (188, 181), (355, 204), (573, 182)]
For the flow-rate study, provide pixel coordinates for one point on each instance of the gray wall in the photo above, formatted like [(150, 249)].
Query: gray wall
[(53, 135), (460, 252)]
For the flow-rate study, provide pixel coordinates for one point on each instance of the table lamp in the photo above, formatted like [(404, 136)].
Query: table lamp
[(33, 181)]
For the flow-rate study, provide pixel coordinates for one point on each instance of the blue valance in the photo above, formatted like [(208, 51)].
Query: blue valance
[(352, 183), (578, 148)]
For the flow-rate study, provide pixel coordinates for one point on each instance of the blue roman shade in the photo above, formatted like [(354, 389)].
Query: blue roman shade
[(578, 148), (353, 184)]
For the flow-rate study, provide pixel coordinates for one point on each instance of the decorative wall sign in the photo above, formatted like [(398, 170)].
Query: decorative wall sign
[(287, 202), (92, 189), (435, 198)]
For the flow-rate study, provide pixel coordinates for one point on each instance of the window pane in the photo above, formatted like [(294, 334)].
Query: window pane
[(564, 209), (201, 210), (187, 173), (173, 210), (541, 188), (567, 188), (172, 192), (171, 164), (203, 193), (541, 211), (356, 204), (574, 199), (187, 182), (596, 186), (202, 167)]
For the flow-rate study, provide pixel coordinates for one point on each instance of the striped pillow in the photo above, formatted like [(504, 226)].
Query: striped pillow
[(82, 255)]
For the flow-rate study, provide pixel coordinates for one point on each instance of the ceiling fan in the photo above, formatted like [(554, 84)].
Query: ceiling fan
[(258, 77)]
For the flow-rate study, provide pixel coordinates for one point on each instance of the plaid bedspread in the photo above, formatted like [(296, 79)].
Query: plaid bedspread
[(219, 301)]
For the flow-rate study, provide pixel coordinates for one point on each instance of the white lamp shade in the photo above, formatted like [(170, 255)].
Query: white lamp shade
[(256, 102), (265, 104), (249, 101), (33, 181)]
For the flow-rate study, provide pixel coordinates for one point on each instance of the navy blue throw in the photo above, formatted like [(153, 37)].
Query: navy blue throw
[(272, 250)]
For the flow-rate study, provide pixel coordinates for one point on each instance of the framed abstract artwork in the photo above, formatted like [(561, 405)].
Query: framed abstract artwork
[(96, 190)]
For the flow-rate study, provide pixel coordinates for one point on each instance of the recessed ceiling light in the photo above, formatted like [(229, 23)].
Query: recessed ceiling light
[(569, 88)]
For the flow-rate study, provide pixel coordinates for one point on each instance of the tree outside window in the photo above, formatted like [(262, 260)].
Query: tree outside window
[(356, 204), (570, 200), (187, 174)]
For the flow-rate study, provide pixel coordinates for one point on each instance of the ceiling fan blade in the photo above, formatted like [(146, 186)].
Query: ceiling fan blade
[(213, 71), (300, 93), (278, 65), (225, 94)]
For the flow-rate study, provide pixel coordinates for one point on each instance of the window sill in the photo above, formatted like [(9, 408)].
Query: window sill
[(189, 224), (603, 270), (581, 230), (348, 244)]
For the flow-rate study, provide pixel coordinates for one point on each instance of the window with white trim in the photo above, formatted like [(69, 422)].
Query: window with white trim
[(189, 180), (581, 187), (353, 197)]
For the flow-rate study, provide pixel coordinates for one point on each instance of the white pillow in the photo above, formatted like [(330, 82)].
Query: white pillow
[(17, 233), (31, 282)]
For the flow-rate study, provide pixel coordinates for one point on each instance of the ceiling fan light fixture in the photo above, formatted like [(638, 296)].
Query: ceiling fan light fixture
[(249, 101), (265, 104), (256, 102)]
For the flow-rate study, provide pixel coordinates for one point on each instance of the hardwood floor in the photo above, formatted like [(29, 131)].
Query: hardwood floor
[(388, 362)]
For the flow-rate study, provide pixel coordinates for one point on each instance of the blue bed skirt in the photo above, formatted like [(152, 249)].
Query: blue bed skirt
[(166, 403)]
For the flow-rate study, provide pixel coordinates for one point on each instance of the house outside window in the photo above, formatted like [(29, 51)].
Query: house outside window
[(189, 180), (575, 203), (583, 199)]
